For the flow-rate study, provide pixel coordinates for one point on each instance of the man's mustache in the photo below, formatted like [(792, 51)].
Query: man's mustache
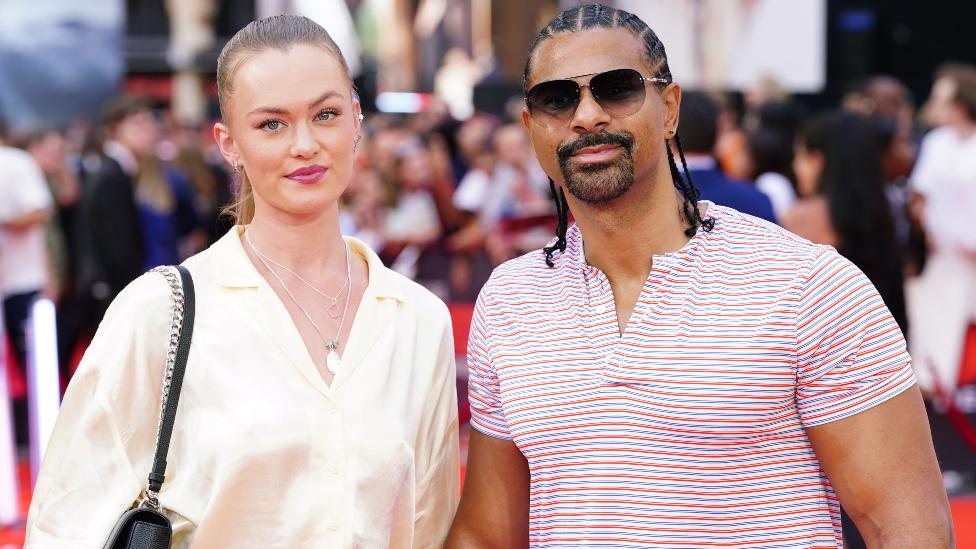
[(566, 150)]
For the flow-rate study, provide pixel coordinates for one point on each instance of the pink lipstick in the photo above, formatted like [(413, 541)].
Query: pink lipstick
[(308, 174)]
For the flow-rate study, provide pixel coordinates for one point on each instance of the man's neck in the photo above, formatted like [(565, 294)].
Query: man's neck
[(621, 238)]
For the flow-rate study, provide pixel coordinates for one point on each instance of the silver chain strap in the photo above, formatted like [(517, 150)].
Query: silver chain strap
[(176, 324)]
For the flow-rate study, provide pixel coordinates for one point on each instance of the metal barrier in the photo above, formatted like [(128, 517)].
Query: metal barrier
[(43, 379)]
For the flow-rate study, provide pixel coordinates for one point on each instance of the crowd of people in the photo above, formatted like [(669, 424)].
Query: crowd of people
[(886, 181)]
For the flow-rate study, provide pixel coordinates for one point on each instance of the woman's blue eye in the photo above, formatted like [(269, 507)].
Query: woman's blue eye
[(327, 114), (272, 125)]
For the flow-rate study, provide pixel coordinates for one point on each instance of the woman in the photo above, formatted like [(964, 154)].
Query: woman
[(838, 168), (277, 443)]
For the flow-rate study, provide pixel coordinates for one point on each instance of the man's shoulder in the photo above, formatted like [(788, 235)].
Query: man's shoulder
[(528, 275), (744, 235)]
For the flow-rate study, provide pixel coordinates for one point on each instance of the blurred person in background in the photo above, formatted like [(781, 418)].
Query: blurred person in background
[(111, 246), (767, 159), (943, 299), (516, 209), (898, 152), (699, 126), (167, 215), (25, 207), (49, 149), (363, 212), (843, 203), (470, 265), (200, 161), (412, 222)]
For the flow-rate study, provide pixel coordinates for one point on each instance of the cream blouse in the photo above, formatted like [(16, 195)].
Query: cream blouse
[(264, 454)]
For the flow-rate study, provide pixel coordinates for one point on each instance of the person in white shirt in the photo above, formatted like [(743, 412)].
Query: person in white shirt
[(25, 204), (942, 300), (319, 405)]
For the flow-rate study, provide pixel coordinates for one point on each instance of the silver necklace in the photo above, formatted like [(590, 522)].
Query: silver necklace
[(332, 359), (333, 309)]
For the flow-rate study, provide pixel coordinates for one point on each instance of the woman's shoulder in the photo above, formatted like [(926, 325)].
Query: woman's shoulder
[(134, 330), (416, 296)]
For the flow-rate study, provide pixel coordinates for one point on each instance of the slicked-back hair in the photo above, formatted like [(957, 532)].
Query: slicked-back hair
[(599, 16)]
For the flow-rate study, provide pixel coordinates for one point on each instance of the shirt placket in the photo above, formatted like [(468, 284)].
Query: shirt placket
[(329, 461)]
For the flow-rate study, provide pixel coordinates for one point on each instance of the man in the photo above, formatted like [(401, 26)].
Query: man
[(672, 373), (942, 301), (110, 242), (699, 128), (25, 204)]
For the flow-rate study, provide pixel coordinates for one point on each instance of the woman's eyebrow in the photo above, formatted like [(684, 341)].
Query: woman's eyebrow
[(280, 110)]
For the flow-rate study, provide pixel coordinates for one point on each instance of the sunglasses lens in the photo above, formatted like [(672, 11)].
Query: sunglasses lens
[(620, 92), (556, 98)]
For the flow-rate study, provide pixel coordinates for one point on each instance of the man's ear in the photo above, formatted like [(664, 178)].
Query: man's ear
[(672, 107)]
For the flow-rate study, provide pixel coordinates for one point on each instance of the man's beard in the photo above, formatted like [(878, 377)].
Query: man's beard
[(602, 182)]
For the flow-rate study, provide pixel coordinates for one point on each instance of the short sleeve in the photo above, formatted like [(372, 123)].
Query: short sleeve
[(26, 189), (851, 355), (924, 177), (484, 395)]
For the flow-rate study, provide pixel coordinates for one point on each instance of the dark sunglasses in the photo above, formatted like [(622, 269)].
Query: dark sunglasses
[(619, 92)]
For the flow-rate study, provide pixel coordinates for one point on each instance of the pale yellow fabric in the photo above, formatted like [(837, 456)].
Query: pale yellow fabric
[(264, 454)]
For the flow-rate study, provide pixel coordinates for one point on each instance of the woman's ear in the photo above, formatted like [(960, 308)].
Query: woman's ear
[(228, 149), (357, 108)]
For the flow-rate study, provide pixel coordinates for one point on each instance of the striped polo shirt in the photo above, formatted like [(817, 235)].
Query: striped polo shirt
[(687, 431)]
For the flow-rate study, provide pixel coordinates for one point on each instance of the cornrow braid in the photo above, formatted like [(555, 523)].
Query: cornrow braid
[(708, 223), (562, 224), (599, 16)]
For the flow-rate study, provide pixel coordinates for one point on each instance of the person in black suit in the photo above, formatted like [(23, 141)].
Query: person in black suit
[(698, 124), (111, 250)]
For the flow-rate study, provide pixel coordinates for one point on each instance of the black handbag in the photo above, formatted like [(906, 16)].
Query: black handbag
[(146, 527)]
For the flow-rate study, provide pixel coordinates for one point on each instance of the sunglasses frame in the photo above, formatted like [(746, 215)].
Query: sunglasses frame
[(579, 87)]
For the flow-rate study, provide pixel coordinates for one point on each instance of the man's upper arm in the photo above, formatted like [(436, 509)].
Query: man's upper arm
[(494, 509), (883, 468), (857, 399)]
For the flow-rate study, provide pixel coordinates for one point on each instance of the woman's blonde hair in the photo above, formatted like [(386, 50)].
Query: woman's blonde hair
[(279, 32)]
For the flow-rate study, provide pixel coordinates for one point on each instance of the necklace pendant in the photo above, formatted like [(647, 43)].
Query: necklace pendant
[(334, 310), (332, 362)]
